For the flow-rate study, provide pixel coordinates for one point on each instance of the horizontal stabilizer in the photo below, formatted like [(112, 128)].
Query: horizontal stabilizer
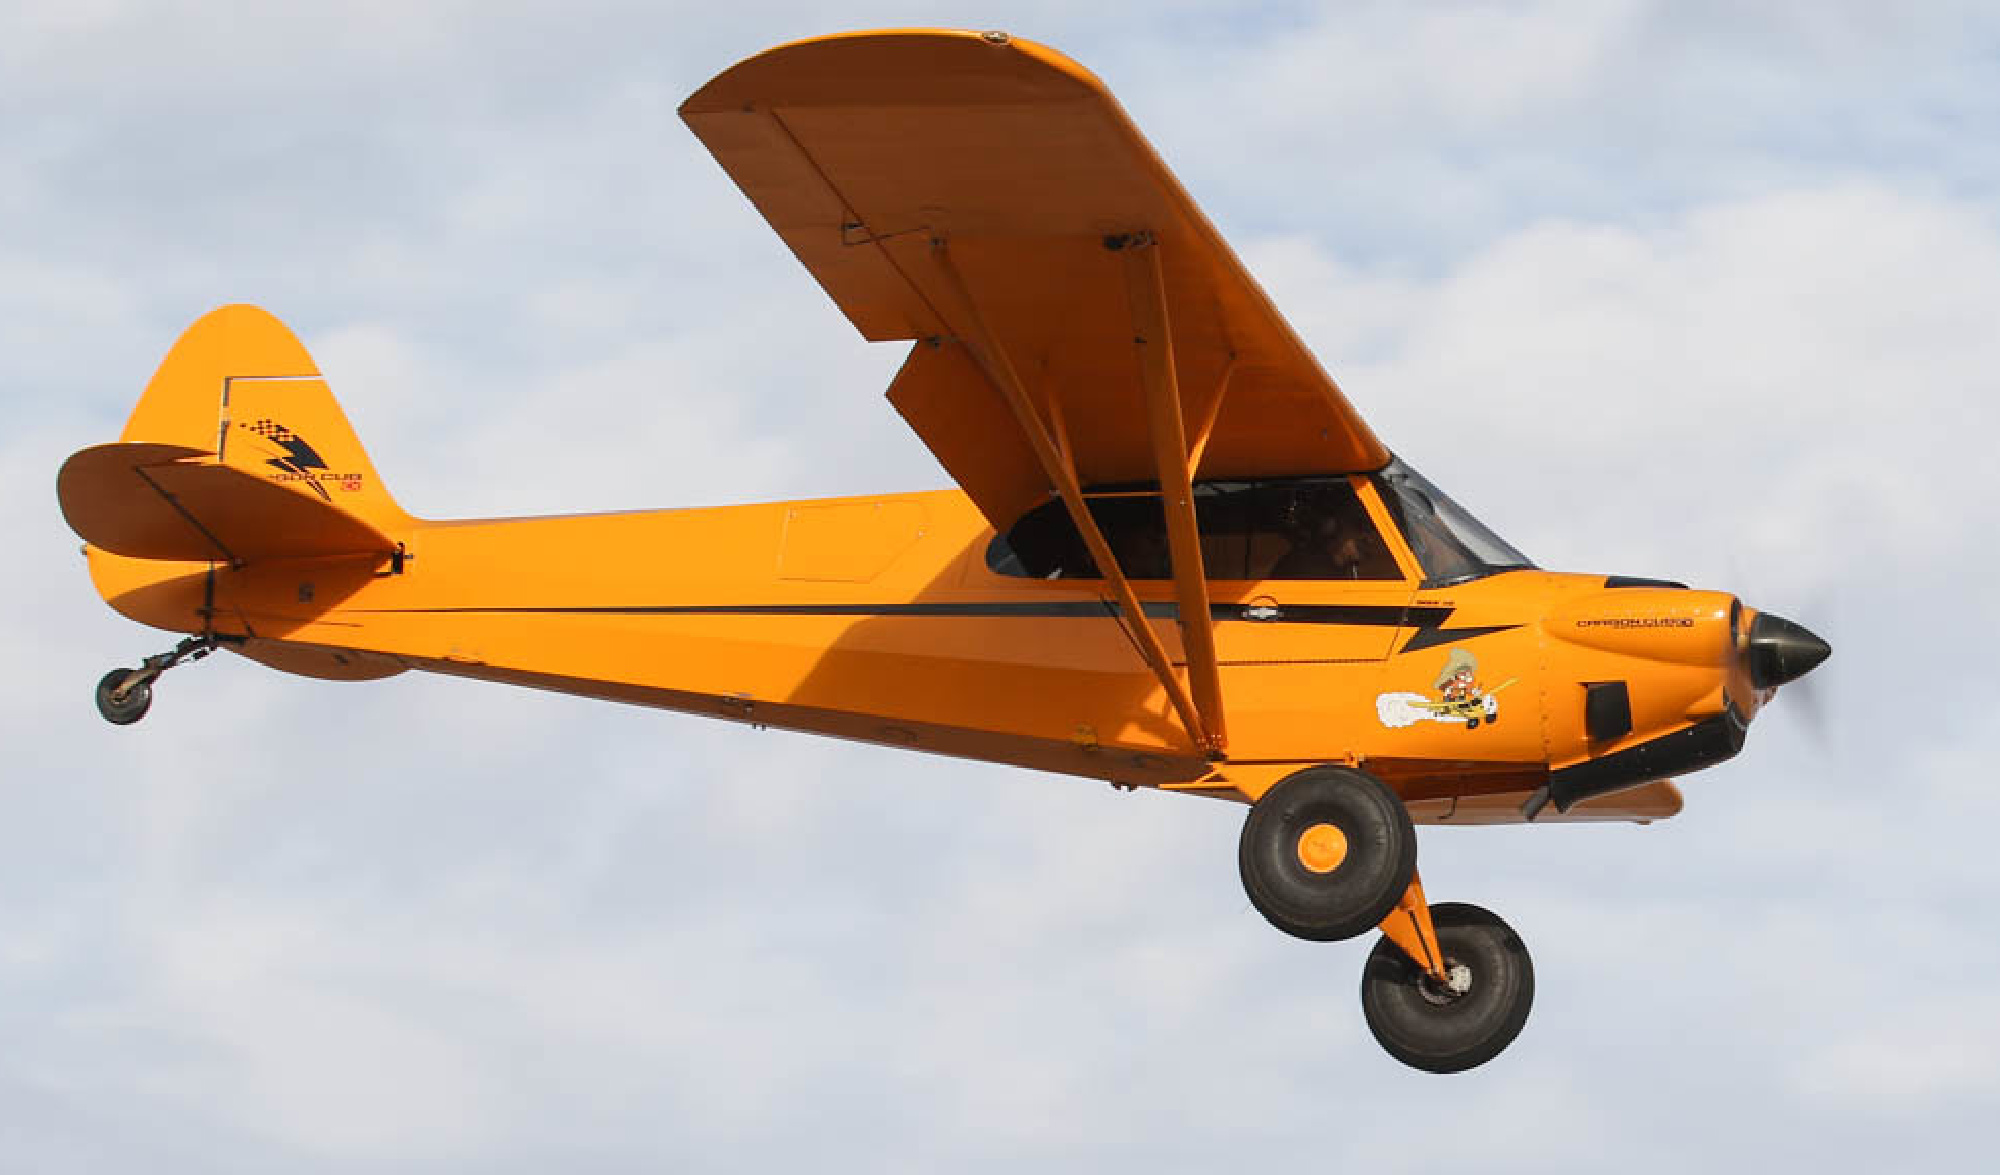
[(149, 501)]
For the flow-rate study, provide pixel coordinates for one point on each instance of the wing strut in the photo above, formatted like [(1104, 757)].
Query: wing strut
[(1001, 373), (1152, 333)]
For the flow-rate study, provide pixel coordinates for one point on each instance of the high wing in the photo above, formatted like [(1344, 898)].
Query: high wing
[(874, 154), (1077, 319)]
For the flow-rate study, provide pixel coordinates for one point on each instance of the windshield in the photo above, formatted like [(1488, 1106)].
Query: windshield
[(1451, 545)]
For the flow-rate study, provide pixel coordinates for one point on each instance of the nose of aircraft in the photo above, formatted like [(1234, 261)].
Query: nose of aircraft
[(1781, 651)]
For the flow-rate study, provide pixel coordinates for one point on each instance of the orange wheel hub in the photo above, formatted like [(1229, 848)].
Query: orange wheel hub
[(1322, 848)]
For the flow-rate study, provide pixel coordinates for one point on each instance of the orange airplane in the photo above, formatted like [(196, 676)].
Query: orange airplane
[(1177, 557)]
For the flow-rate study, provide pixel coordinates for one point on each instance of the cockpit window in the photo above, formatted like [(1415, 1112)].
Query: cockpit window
[(1309, 528), (1451, 545), (1044, 544)]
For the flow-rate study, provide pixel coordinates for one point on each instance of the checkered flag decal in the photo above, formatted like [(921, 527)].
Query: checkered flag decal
[(271, 430)]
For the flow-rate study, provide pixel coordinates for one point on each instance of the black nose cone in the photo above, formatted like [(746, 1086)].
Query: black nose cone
[(1781, 651)]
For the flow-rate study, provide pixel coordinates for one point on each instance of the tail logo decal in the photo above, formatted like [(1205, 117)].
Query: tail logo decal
[(297, 460)]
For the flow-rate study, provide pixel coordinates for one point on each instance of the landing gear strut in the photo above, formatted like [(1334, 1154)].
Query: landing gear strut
[(124, 695)]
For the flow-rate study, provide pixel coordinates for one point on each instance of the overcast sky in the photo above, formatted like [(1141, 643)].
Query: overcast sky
[(1705, 291)]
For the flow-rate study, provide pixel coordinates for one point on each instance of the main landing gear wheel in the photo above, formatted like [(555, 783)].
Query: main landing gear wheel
[(1465, 1021), (122, 705), (1326, 853)]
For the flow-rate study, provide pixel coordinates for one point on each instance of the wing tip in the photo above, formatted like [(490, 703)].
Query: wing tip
[(783, 74)]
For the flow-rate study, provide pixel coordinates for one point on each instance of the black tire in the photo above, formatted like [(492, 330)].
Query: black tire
[(128, 709), (1427, 1027), (1361, 888)]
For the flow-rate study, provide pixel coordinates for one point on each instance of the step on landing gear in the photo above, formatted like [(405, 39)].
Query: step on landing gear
[(124, 695)]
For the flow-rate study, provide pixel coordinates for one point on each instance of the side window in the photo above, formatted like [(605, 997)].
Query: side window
[(1222, 515), (1249, 530), (1135, 528), (1044, 544), (1317, 530)]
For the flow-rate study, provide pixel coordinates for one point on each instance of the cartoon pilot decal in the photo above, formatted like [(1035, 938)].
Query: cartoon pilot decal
[(1460, 698)]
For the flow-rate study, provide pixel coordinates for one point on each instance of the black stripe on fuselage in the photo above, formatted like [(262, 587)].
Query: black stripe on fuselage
[(1372, 615), (1427, 637), (1428, 620), (1046, 609)]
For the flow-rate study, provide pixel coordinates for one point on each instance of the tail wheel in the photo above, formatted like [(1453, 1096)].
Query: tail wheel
[(122, 705), (1326, 853), (1466, 1021)]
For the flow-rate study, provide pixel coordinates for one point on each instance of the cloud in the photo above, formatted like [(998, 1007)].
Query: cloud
[(1652, 290), (1785, 362)]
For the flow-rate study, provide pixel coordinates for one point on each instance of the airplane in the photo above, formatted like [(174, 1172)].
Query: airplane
[(1177, 557)]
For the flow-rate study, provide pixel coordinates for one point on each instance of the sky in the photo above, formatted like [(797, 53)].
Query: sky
[(1705, 291)]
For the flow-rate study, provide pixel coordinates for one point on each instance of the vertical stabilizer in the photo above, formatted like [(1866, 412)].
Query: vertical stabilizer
[(236, 455), (240, 385)]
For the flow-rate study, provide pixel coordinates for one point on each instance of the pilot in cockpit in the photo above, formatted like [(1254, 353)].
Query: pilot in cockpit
[(1324, 541)]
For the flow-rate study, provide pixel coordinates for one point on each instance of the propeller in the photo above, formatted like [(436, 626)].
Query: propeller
[(1807, 700), (1783, 653)]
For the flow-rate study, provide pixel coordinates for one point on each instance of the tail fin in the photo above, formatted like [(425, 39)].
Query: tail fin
[(236, 453)]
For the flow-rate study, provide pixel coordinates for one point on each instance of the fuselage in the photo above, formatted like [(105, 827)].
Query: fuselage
[(884, 619)]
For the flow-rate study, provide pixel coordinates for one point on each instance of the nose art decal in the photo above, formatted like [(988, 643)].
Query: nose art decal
[(1459, 698)]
